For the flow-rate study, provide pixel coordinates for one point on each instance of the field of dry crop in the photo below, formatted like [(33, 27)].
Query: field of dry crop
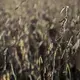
[(39, 40)]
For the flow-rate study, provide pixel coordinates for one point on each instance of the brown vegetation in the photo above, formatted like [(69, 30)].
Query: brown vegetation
[(39, 40)]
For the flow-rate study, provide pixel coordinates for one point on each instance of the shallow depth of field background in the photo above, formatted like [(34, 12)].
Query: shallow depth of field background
[(39, 39)]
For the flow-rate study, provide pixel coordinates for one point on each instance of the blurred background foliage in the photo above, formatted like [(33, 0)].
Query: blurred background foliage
[(39, 40)]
